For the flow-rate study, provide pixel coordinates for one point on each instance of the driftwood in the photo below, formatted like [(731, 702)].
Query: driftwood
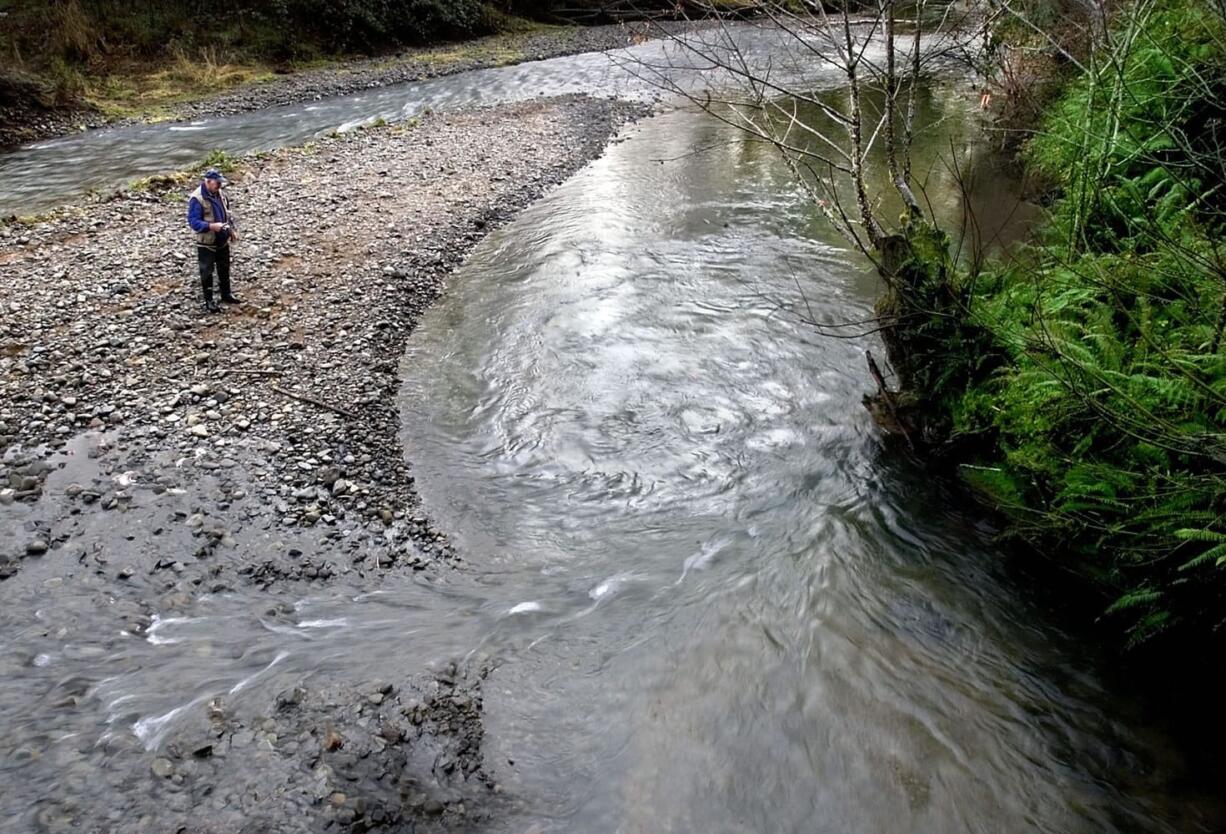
[(886, 396), (253, 372), (320, 403)]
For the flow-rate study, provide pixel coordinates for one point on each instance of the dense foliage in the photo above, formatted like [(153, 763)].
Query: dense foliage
[(82, 30), (1086, 379)]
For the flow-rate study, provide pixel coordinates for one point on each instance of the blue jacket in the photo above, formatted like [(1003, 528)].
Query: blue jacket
[(195, 214)]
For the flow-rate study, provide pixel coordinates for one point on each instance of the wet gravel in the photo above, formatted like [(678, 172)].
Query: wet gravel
[(155, 454), (29, 121)]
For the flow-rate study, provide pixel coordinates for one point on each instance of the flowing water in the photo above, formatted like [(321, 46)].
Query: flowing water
[(712, 601), (733, 611), (47, 174)]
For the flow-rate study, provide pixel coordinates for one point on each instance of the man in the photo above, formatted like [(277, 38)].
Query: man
[(208, 213)]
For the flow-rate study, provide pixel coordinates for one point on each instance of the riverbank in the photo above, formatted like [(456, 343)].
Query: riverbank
[(1078, 386), (157, 455), (148, 97)]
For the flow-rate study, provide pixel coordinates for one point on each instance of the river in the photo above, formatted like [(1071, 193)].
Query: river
[(710, 599), (729, 609)]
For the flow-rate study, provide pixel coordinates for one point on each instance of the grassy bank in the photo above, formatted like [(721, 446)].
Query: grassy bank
[(1082, 384), (153, 91), (141, 60)]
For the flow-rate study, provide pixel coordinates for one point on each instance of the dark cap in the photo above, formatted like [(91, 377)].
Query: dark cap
[(214, 174)]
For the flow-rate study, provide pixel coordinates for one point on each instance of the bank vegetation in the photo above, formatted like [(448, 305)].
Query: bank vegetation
[(1077, 383), (126, 59)]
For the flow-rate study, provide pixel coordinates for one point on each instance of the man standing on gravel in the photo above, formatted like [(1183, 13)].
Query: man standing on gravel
[(208, 213)]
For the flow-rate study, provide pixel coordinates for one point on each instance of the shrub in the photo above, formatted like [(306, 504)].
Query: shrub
[(1102, 428)]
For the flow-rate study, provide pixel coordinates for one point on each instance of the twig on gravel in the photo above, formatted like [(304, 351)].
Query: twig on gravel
[(253, 372), (304, 398)]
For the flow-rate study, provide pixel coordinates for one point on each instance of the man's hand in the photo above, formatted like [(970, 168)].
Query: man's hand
[(216, 227), (233, 234)]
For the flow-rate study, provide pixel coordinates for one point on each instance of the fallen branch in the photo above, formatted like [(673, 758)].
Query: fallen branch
[(887, 397), (304, 398)]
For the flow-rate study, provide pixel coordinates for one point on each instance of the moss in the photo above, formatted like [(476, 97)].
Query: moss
[(160, 182), (35, 219), (223, 161)]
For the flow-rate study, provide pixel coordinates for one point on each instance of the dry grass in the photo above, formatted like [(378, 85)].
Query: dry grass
[(497, 54), (123, 85), (507, 47), (71, 29), (137, 91)]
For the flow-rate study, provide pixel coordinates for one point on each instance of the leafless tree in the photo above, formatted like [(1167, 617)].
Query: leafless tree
[(870, 48)]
